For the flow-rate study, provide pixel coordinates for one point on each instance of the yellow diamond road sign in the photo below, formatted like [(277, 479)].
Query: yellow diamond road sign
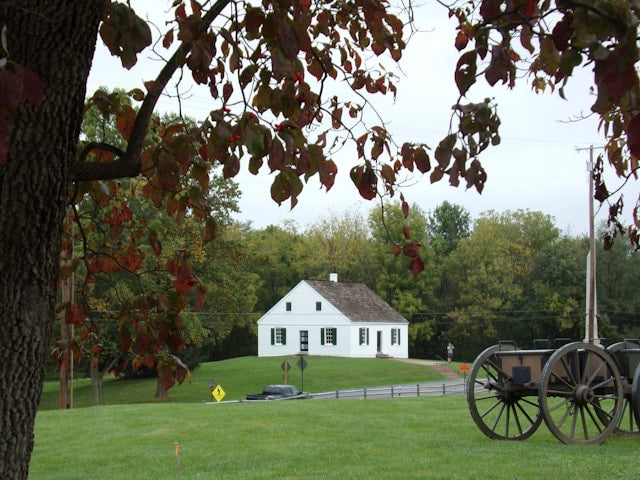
[(218, 393)]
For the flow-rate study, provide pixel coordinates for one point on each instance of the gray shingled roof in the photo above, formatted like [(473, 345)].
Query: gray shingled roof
[(356, 301)]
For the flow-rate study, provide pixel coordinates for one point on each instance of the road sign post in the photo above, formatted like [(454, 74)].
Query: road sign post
[(464, 368), (302, 364), (285, 368)]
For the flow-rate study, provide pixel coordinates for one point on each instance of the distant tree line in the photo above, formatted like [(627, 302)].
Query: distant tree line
[(505, 276)]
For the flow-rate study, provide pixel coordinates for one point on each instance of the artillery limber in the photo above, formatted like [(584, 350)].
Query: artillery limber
[(582, 391)]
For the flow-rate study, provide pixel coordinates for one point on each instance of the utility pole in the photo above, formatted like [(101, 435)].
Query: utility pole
[(591, 327)]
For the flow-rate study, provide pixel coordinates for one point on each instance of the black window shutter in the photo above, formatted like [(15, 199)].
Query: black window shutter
[(273, 336), (284, 336), (322, 336)]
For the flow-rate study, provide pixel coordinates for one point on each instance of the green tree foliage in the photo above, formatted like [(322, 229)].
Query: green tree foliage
[(618, 275), (490, 270), (410, 295), (336, 244), (271, 250), (447, 224)]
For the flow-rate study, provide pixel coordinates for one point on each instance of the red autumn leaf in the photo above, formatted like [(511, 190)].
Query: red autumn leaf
[(530, 7), (633, 136), (184, 278), (124, 33), (327, 170), (231, 166), (461, 41), (210, 230), (276, 155), (167, 40), (75, 315), (5, 134), (500, 67), (617, 73), (201, 297), (422, 162), (168, 171), (365, 180), (125, 120), (417, 265), (149, 361), (10, 90), (406, 232), (490, 9), (444, 150)]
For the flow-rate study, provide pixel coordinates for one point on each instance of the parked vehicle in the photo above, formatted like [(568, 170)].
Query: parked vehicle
[(278, 392)]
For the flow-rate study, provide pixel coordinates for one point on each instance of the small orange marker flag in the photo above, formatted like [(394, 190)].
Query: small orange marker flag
[(176, 446)]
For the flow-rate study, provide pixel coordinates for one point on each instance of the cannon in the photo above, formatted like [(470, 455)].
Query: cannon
[(582, 391)]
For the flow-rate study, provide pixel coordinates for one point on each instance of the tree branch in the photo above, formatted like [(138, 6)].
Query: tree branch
[(128, 164)]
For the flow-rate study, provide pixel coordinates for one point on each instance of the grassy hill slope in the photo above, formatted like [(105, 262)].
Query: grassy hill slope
[(239, 376)]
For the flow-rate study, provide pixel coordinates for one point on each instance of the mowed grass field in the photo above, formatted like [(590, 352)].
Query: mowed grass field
[(402, 438)]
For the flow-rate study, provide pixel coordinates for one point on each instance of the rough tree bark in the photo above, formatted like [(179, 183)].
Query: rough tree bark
[(55, 39)]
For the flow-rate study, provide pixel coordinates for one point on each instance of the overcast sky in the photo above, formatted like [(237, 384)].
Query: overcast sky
[(537, 167)]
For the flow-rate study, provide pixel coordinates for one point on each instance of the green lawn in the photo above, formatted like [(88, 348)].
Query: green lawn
[(239, 376), (411, 438)]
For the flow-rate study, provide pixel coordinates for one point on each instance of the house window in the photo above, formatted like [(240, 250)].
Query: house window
[(278, 336), (364, 336), (318, 306), (328, 336), (288, 306), (395, 336)]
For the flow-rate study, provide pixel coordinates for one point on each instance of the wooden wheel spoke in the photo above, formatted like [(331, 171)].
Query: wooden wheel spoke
[(506, 426), (498, 417), (602, 413), (524, 412), (607, 381), (487, 397), (564, 417), (495, 367), (559, 393), (567, 369), (529, 402), (516, 418), (595, 420), (491, 408), (584, 423), (585, 371), (574, 421), (595, 374)]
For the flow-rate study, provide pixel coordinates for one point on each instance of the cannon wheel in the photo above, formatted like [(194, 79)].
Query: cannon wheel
[(635, 395), (498, 412), (581, 394), (629, 421)]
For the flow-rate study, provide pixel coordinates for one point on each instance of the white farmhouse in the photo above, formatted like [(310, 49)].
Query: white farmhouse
[(332, 318)]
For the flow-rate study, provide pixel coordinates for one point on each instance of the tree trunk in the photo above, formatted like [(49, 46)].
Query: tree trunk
[(96, 384), (55, 39), (161, 392)]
